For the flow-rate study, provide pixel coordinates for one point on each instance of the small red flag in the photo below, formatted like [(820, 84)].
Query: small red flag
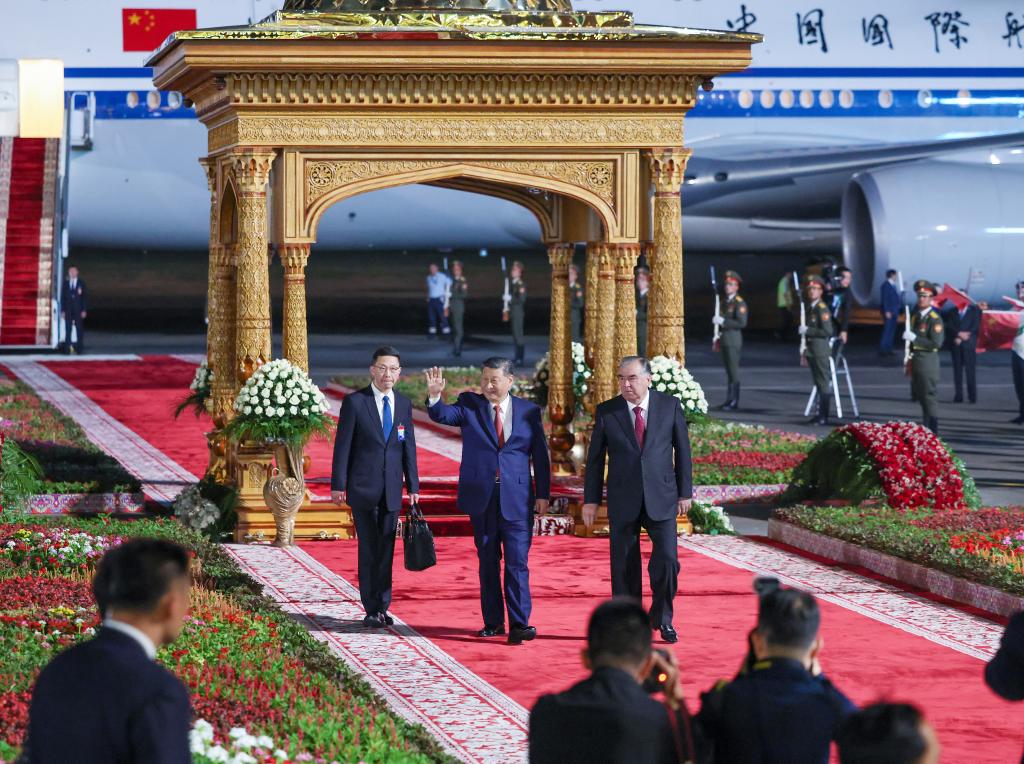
[(145, 29), (953, 295), (998, 328)]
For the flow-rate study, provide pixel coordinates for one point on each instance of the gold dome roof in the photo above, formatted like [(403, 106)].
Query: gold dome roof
[(372, 6)]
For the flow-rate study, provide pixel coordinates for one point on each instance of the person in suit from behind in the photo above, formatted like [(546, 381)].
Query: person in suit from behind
[(374, 451), (73, 310), (501, 436), (964, 324), (892, 304), (888, 733), (643, 436), (107, 699), (609, 717)]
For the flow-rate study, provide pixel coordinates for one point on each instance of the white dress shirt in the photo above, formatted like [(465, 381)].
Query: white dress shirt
[(642, 405), (378, 398), (144, 642)]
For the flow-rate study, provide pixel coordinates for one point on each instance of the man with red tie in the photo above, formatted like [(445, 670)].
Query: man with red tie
[(642, 434), (501, 436)]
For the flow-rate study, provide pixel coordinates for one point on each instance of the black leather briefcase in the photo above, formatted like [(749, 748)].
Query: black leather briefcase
[(418, 541)]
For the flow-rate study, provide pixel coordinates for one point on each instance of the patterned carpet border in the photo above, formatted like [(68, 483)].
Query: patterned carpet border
[(473, 720), (162, 478), (943, 624)]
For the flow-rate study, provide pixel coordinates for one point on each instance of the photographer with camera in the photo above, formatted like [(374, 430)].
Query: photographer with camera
[(839, 278), (610, 716), (780, 708)]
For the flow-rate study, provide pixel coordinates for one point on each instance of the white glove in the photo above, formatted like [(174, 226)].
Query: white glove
[(909, 336), (718, 320), (802, 330)]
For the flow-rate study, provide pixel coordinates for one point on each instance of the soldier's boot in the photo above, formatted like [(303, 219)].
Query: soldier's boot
[(823, 407), (729, 396), (816, 415), (933, 424), (520, 354), (736, 397)]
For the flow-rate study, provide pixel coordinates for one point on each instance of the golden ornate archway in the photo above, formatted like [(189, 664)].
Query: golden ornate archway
[(576, 115)]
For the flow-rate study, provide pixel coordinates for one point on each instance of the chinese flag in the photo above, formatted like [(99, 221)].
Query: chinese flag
[(998, 328), (146, 28)]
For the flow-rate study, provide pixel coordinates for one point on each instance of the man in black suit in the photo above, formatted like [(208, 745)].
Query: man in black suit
[(609, 717), (964, 323), (643, 435), (374, 450), (72, 309), (107, 699)]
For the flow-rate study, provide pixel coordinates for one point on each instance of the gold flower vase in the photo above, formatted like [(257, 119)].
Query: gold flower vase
[(285, 491)]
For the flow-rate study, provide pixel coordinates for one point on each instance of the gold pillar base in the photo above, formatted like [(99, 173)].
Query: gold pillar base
[(600, 526), (316, 521)]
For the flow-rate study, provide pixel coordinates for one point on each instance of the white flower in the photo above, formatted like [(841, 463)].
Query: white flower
[(294, 410), (247, 410), (280, 412)]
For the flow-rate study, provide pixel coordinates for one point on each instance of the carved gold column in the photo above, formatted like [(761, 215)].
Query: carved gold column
[(625, 257), (210, 168), (222, 335), (590, 301), (665, 315), (295, 340), (251, 171), (561, 401), (604, 342)]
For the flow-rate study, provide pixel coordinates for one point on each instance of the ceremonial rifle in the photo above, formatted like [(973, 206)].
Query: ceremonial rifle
[(803, 320), (506, 297), (717, 332), (447, 289), (906, 325)]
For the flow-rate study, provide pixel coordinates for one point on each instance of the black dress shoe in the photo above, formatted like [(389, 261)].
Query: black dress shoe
[(519, 634), (958, 399), (668, 634), (1018, 420), (492, 631), (373, 621), (386, 618)]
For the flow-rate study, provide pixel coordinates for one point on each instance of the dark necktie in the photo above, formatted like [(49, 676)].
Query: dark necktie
[(386, 419), (639, 427)]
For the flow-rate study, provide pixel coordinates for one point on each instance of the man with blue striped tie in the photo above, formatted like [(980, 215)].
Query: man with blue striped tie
[(374, 451)]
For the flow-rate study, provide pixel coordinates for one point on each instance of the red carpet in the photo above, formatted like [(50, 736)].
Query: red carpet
[(142, 396), (867, 659)]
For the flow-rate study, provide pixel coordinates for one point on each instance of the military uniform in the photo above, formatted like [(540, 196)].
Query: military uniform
[(641, 322), (734, 321), (819, 331), (776, 713), (517, 318), (924, 357), (576, 311), (457, 312)]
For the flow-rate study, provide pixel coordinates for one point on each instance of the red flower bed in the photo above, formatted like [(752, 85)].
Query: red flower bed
[(14, 714), (914, 467), (752, 459), (30, 591)]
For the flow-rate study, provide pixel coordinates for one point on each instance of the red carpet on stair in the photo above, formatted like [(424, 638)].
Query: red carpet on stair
[(22, 247), (142, 396), (715, 608)]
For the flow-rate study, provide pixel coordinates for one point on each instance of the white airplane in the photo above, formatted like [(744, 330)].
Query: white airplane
[(888, 133)]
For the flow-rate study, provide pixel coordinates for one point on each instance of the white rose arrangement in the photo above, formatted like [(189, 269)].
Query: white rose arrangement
[(195, 511), (279, 403), (199, 391), (668, 376), (581, 374)]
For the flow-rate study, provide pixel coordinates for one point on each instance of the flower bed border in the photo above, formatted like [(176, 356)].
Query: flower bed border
[(57, 504), (913, 574)]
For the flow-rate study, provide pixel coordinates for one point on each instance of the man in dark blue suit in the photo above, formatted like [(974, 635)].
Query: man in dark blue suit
[(374, 450), (964, 324), (501, 435), (892, 305), (107, 700), (643, 435), (73, 310)]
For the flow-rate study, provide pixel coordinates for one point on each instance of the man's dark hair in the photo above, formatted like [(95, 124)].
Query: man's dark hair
[(644, 363), (884, 733), (789, 618), (385, 350), (504, 365), (890, 273), (619, 631), (843, 271), (137, 574)]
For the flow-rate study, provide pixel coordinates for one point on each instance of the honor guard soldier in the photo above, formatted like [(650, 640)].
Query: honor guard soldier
[(517, 311), (732, 321), (643, 287), (818, 331), (925, 342), (575, 303), (457, 307)]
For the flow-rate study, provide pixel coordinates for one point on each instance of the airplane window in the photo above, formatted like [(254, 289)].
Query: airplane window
[(806, 98), (885, 98), (826, 98), (846, 98), (153, 99), (963, 97), (786, 99), (767, 99), (132, 99), (746, 99), (174, 100), (924, 98)]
